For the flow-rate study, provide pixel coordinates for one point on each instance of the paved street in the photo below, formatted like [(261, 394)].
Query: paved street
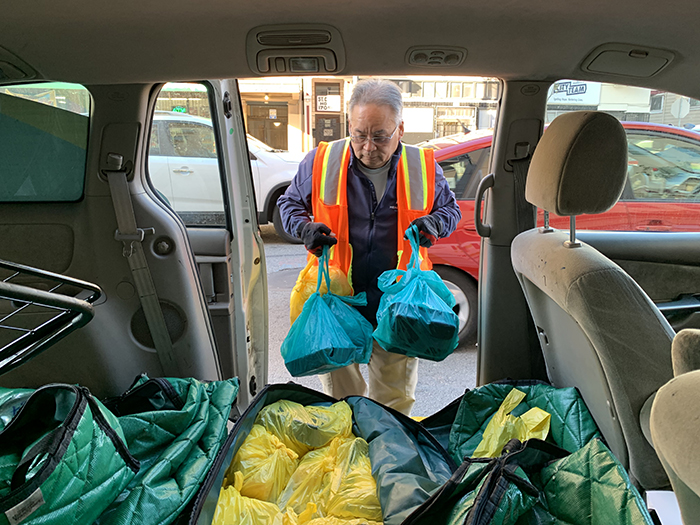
[(438, 383)]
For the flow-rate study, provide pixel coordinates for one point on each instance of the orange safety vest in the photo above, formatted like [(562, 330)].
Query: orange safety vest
[(415, 193)]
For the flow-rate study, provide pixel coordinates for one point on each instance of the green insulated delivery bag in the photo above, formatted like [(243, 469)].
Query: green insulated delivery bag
[(63, 457), (407, 462), (571, 477), (175, 427)]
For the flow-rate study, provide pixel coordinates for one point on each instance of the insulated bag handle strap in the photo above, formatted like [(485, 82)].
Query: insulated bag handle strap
[(112, 434), (45, 445)]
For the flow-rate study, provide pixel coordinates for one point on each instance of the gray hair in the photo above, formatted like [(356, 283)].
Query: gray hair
[(379, 92)]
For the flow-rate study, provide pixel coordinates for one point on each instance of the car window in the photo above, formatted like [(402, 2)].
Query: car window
[(191, 139), (44, 135), (663, 168), (464, 172), (183, 163)]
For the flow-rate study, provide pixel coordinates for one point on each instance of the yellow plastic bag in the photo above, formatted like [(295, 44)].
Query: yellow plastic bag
[(353, 491), (234, 509), (311, 482), (291, 518), (305, 518), (307, 282), (306, 428), (332, 520), (265, 463), (338, 480), (533, 424)]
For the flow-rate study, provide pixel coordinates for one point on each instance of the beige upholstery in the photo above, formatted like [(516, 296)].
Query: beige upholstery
[(686, 351), (675, 427), (578, 164), (598, 330)]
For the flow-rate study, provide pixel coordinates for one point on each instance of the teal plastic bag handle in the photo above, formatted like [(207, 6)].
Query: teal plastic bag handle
[(389, 281), (324, 271), (412, 234)]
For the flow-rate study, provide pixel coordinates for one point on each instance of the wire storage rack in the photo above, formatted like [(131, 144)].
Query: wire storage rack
[(38, 308)]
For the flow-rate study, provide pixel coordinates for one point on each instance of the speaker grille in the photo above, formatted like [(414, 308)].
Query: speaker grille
[(296, 38), (174, 321)]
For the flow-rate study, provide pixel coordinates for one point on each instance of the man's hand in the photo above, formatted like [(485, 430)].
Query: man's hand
[(429, 228), (316, 235)]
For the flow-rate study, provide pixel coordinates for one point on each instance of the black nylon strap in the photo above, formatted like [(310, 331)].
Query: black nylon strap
[(45, 445)]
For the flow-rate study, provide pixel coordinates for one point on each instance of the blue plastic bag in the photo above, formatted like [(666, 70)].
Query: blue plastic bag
[(329, 333), (415, 315)]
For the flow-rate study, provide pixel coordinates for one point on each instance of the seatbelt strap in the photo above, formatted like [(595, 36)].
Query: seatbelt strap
[(525, 213), (132, 237)]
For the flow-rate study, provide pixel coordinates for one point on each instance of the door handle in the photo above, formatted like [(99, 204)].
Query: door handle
[(184, 171), (484, 230), (654, 226)]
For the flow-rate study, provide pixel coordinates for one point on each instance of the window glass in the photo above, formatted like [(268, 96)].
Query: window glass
[(441, 89), (663, 144), (468, 90), (663, 167), (43, 141), (491, 90), (464, 172), (183, 164)]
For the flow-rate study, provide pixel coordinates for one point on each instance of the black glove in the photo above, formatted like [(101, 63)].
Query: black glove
[(430, 228), (316, 235)]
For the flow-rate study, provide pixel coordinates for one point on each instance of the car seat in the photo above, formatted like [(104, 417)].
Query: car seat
[(599, 331), (675, 424)]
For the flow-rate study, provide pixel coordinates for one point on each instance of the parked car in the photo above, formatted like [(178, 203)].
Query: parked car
[(183, 166), (662, 194)]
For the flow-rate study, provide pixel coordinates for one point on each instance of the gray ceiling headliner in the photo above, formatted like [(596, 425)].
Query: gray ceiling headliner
[(157, 40)]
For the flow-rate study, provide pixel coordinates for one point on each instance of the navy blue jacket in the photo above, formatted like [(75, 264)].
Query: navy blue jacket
[(372, 224)]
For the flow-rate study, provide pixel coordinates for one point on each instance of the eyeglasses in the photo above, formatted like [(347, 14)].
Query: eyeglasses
[(361, 140)]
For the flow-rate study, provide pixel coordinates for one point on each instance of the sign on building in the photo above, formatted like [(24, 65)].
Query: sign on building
[(418, 120), (328, 103), (571, 92)]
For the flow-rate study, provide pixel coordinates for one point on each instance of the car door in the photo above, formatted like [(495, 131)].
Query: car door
[(57, 214), (463, 171), (192, 163), (216, 203), (253, 151), (158, 167), (664, 178)]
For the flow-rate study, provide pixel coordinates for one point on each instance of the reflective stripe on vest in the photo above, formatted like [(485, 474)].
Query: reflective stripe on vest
[(415, 193)]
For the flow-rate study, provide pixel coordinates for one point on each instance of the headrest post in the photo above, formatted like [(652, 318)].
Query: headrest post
[(572, 243), (547, 228)]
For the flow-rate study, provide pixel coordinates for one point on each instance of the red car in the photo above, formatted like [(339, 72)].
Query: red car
[(662, 194)]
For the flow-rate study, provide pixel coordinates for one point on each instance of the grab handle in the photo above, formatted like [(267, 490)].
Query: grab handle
[(484, 230)]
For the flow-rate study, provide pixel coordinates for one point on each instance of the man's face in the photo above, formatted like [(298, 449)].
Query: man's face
[(372, 121)]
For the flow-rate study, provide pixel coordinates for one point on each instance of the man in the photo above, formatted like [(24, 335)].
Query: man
[(363, 193)]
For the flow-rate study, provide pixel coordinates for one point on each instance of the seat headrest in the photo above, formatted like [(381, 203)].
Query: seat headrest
[(579, 165)]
